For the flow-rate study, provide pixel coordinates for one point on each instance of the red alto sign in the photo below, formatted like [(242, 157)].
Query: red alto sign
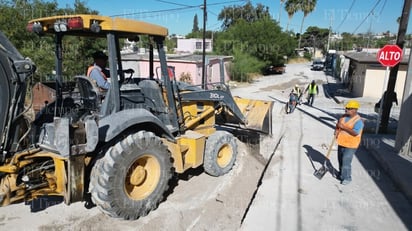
[(389, 55)]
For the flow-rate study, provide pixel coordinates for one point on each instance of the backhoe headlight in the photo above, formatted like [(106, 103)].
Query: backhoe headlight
[(60, 26)]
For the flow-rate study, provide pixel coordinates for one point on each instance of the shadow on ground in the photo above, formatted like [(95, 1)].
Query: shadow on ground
[(316, 156), (393, 194)]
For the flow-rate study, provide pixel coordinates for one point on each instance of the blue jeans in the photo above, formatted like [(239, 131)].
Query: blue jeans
[(345, 156)]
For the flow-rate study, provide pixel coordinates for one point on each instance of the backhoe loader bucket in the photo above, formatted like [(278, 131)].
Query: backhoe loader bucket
[(258, 114)]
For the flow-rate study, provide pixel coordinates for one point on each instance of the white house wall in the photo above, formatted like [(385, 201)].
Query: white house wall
[(374, 83), (189, 45)]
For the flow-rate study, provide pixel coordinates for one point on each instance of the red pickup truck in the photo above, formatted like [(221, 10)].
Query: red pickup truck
[(275, 69)]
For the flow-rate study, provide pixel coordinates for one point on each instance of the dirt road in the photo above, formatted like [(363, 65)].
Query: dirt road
[(198, 202)]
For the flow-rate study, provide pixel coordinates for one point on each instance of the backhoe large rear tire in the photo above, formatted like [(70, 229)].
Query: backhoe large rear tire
[(131, 178), (220, 153)]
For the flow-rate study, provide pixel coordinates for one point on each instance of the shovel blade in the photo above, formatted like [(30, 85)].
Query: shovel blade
[(320, 172)]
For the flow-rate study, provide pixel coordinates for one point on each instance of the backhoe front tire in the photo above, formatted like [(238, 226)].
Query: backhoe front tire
[(220, 153), (131, 178)]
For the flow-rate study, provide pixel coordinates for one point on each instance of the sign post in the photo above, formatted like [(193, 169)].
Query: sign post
[(388, 56)]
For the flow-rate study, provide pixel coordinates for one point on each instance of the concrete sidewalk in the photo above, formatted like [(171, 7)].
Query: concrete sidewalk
[(381, 146), (397, 166), (289, 197)]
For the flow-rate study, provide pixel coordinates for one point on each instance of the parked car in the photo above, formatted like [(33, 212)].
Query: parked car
[(275, 69), (318, 65)]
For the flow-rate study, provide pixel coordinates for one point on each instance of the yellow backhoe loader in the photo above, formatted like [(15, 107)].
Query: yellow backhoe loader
[(118, 149)]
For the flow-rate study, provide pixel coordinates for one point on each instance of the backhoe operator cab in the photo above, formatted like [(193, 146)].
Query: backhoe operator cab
[(118, 153)]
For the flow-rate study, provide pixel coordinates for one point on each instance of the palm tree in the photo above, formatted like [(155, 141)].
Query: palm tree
[(291, 7), (307, 7)]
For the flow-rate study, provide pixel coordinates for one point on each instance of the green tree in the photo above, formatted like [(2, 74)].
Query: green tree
[(347, 40), (199, 34), (171, 44), (230, 15), (261, 42), (315, 37), (14, 16), (195, 24), (13, 20), (244, 66)]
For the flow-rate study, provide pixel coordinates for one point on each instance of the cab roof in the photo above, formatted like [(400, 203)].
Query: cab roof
[(85, 25)]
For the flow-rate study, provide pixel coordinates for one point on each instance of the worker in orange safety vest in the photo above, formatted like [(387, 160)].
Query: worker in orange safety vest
[(97, 70), (348, 135)]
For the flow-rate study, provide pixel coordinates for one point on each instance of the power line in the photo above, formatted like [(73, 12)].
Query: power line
[(210, 4), (173, 3), (156, 11), (224, 3), (213, 13), (370, 12), (346, 16), (215, 26), (151, 14), (383, 7), (184, 7)]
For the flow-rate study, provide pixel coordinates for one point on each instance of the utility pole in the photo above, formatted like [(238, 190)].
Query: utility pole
[(328, 44), (369, 34), (314, 46), (280, 10), (330, 29), (204, 46), (403, 26)]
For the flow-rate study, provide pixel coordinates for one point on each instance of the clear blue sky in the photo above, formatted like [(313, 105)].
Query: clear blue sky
[(342, 15)]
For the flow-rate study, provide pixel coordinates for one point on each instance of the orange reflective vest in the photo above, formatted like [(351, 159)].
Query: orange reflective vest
[(90, 69), (345, 139)]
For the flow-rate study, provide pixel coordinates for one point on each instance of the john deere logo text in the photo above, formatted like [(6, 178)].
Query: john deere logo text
[(215, 96)]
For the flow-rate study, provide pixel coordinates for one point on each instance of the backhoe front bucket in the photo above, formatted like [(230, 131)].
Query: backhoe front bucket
[(258, 114)]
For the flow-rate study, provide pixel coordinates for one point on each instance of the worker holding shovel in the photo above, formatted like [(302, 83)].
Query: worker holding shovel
[(348, 136)]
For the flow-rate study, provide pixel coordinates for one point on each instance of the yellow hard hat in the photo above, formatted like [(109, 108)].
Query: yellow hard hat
[(352, 104)]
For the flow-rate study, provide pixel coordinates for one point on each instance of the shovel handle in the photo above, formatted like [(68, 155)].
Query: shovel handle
[(330, 148)]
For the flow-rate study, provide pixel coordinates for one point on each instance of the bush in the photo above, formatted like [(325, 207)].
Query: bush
[(186, 77), (244, 67), (307, 55)]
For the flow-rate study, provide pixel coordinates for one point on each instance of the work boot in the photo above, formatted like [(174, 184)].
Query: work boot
[(336, 175)]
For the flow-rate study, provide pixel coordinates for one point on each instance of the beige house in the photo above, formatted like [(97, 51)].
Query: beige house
[(365, 76)]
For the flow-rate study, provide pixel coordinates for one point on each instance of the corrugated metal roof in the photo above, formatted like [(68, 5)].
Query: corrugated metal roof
[(365, 57)]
